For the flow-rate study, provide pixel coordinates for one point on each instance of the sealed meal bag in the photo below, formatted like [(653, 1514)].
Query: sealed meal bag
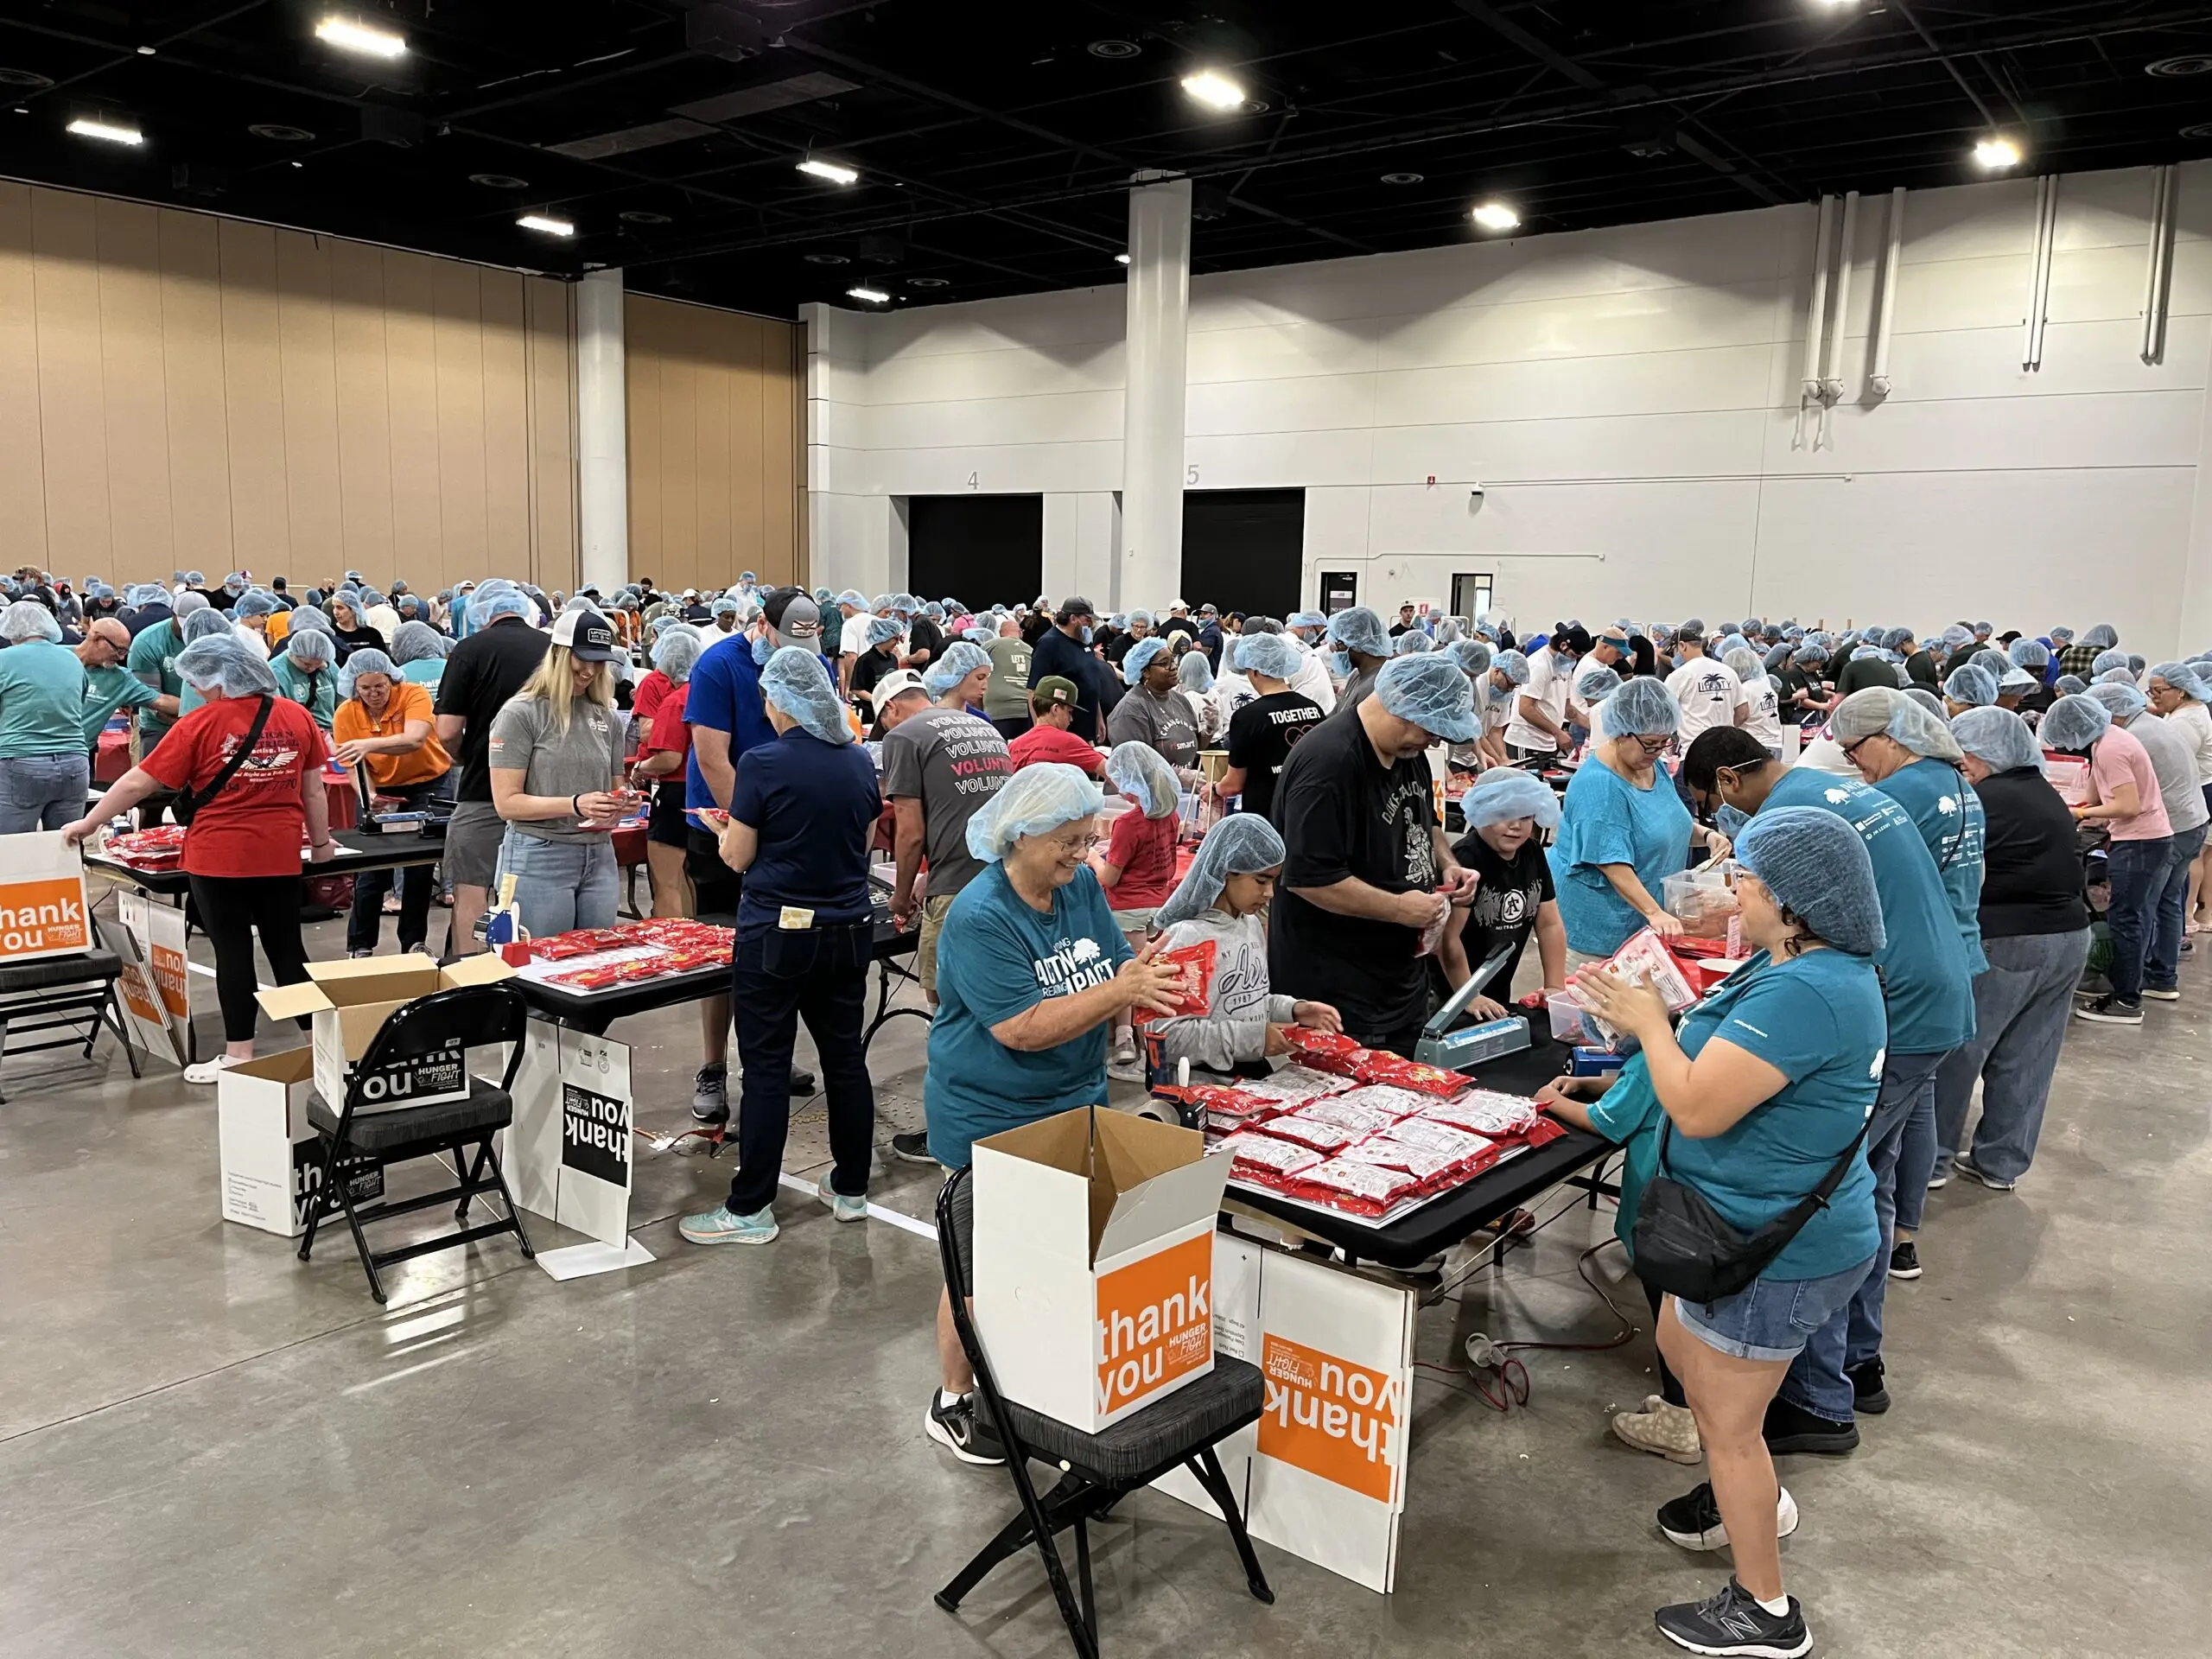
[(1644, 960), (1293, 1084), (1314, 1132), (1355, 1188), (1323, 1051), (1269, 1162), (1193, 989), (1399, 1074)]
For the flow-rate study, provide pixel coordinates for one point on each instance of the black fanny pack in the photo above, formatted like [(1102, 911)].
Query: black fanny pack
[(1686, 1247)]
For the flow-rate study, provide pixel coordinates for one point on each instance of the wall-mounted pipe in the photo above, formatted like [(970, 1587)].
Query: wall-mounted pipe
[(2157, 280), (2039, 284), (1818, 312), (1846, 245), (1886, 312)]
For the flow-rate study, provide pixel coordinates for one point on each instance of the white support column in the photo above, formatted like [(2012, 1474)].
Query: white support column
[(1156, 356), (603, 433)]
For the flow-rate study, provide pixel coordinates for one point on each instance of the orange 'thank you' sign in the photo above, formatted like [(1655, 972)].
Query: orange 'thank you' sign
[(1155, 1323), (1330, 1417), (43, 911)]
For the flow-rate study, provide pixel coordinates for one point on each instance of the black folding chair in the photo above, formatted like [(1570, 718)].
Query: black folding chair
[(1096, 1470), (465, 1016), (73, 994)]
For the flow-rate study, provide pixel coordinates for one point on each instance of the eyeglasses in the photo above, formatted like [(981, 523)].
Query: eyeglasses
[(1078, 846), (1851, 750), (1654, 745)]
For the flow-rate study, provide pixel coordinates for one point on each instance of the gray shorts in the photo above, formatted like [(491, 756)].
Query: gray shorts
[(964, 1229), (472, 839)]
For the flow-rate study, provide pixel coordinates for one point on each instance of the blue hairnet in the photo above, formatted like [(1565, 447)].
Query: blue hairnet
[(962, 659), (2106, 661), (1515, 664), (195, 579), (980, 634), (1745, 664), (2061, 636), (2103, 637), (1778, 658), (1886, 711), (2069, 685), (795, 682), (1972, 685), (1194, 673), (2121, 699), (2138, 661), (1140, 655), (1731, 642), (1431, 692), (853, 596), (1359, 629), (728, 607), (1144, 617), (1448, 633), (1817, 866), (253, 602), (1141, 773), (675, 652), (1595, 684), (224, 661), (1504, 793), (1996, 662), (1998, 738), (418, 642), (205, 623), (2122, 675), (2072, 723), (2029, 653), (2183, 679), (882, 630), (1412, 642), (307, 619), (1244, 844), (1927, 699), (367, 660), (879, 604), (823, 596), (1956, 635), (1473, 655), (1270, 654), (497, 599), (935, 612), (1034, 801), (310, 647), (1305, 620), (26, 620), (1642, 707), (1694, 626)]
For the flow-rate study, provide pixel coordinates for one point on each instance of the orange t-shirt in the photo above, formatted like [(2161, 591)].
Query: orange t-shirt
[(408, 701)]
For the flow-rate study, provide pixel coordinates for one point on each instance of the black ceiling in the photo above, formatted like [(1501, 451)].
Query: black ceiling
[(994, 141)]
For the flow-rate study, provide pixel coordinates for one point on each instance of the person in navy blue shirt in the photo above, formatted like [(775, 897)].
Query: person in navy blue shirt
[(1065, 648), (802, 809)]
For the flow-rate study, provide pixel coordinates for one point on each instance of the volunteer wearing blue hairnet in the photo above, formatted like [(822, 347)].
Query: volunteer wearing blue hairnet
[(1262, 731), (1156, 712), (384, 725), (242, 849), (305, 670), (1360, 647), (1910, 755), (350, 625), (1368, 870), (802, 814), (1767, 1085), (663, 750), (1623, 829), (2077, 656), (2180, 693), (1136, 864), (884, 643), (1497, 694), (1505, 810), (44, 766), (961, 679), (2173, 761), (1928, 995), (251, 611), (1969, 687), (2126, 800), (926, 635), (1706, 693), (2035, 931), (108, 685), (419, 651), (1033, 973)]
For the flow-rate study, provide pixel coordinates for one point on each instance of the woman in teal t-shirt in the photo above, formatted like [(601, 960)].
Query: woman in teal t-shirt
[(1769, 1083)]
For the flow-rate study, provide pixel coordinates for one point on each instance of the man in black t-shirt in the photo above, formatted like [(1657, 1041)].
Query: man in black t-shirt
[(483, 672), (1368, 869)]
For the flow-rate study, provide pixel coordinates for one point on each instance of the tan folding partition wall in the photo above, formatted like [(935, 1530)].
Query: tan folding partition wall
[(181, 391), (717, 444)]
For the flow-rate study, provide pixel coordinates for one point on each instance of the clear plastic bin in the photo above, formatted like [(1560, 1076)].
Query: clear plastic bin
[(1571, 1021), (1702, 901)]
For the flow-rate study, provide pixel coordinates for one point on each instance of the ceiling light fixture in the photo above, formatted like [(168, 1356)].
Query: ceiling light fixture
[(1994, 155), (1214, 90), (827, 259), (499, 180), (277, 132), (543, 222), (872, 296), (1402, 178), (642, 216), (925, 281), (1497, 216), (87, 126), (29, 80), (2180, 68), (830, 170), (348, 36), (1112, 48), (1121, 258)]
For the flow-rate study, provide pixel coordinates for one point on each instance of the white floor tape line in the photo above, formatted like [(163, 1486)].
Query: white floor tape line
[(904, 1223)]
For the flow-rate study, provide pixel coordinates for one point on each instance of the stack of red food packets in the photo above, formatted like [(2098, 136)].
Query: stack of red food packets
[(160, 847), (678, 945)]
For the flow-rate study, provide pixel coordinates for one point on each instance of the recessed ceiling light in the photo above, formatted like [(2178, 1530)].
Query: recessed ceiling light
[(642, 216), (279, 133), (830, 170), (1996, 153), (925, 281), (871, 296), (2193, 63), (145, 51), (1403, 178), (1497, 216), (827, 259), (544, 222), (1121, 258), (1214, 90), (29, 79), (1112, 48), (87, 126), (499, 180), (2203, 129), (347, 35)]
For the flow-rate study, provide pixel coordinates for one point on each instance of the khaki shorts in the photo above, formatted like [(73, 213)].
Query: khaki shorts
[(472, 839), (925, 953)]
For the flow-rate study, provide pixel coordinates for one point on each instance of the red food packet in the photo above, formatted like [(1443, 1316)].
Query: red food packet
[(1292, 1084), (1193, 991), (1232, 1106), (562, 946), (587, 979), (1543, 1131), (1323, 1051), (1313, 1132), (1355, 1188), (627, 973), (1347, 1114), (1388, 1099), (1267, 1161), (1484, 1112), (1432, 1171), (1414, 1075)]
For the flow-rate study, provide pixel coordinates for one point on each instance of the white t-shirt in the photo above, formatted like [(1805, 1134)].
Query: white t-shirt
[(1313, 679), (1231, 691), (1497, 712), (1548, 686), (1765, 722), (853, 639), (2194, 721), (1710, 693)]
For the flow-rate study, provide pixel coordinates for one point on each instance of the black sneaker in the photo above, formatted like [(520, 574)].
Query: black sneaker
[(1973, 1172), (1734, 1623), (1869, 1394), (1693, 1520), (1792, 1428), (2156, 993), (914, 1149), (2111, 1011), (960, 1430), (1904, 1260)]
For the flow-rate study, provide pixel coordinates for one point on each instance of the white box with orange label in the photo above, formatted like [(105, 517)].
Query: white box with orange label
[(43, 911), (347, 1002), (1093, 1262)]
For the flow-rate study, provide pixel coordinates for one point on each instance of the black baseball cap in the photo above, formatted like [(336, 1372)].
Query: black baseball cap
[(796, 618), (588, 636), (1076, 605)]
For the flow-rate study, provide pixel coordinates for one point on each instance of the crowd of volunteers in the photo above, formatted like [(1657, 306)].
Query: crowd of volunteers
[(1944, 848)]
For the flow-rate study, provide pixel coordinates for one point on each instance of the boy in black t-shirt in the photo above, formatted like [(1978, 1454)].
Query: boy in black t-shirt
[(1506, 811), (1263, 731)]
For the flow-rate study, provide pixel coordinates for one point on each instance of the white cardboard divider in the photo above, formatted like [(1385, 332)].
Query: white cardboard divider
[(568, 1154)]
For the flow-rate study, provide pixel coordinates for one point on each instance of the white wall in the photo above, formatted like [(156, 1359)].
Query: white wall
[(1628, 399)]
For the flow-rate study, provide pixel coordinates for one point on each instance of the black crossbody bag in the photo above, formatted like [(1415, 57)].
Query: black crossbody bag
[(189, 801), (1685, 1246)]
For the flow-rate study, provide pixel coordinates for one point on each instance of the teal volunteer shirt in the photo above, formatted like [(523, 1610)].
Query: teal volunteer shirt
[(41, 700), (1947, 813), (1608, 820)]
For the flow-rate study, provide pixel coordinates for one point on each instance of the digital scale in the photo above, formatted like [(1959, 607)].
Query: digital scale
[(1455, 1051)]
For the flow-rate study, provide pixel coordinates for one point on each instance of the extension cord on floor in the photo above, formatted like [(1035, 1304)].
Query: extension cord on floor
[(1484, 1354)]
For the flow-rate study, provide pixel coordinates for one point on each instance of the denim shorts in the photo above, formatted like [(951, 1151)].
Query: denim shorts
[(1771, 1318)]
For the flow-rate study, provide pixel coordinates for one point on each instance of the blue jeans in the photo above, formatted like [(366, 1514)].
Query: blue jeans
[(2137, 870), (1771, 1319), (2023, 1004), (1817, 1382), (2169, 911), (365, 922), (42, 791), (559, 885), (779, 978)]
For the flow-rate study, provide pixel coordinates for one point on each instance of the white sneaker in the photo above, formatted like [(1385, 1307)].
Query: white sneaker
[(1670, 1431), (207, 1071)]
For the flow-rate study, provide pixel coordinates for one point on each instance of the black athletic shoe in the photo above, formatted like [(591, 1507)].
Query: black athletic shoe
[(959, 1429), (1792, 1428), (2111, 1011), (914, 1149), (1868, 1392), (1693, 1521), (1734, 1623), (1904, 1260)]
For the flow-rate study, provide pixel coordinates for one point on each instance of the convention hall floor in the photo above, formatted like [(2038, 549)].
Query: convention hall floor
[(208, 1448)]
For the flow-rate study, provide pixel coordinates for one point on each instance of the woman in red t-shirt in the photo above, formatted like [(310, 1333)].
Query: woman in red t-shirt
[(662, 750), (1137, 865), (242, 850)]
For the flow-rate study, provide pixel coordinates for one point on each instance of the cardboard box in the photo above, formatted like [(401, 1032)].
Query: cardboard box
[(349, 1001), (1093, 1262), (271, 1157)]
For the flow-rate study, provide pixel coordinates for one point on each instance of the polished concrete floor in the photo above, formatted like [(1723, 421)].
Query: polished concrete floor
[(209, 1448)]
